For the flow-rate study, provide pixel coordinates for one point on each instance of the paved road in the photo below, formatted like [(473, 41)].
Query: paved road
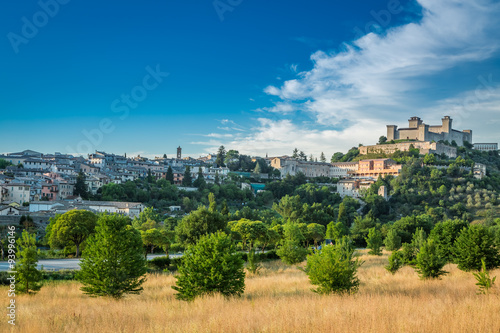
[(57, 264)]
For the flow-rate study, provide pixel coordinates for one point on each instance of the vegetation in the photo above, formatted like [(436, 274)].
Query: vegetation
[(291, 250), (374, 242), (429, 264), (211, 266), (112, 263), (474, 245), (28, 277), (484, 282)]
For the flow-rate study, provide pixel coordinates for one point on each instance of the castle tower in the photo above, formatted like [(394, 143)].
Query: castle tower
[(447, 123), (391, 132), (414, 122), (179, 152)]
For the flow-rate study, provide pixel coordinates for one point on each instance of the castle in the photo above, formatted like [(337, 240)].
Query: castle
[(419, 131)]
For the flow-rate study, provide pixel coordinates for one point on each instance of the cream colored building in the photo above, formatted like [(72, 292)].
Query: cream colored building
[(15, 192)]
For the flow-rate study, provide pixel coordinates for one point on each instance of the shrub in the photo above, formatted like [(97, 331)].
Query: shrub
[(444, 234), (291, 250), (28, 277), (333, 269), (210, 266), (396, 261), (374, 241), (113, 263), (429, 264), (409, 254), (392, 242), (159, 263), (253, 265), (484, 282), (473, 244), (62, 275)]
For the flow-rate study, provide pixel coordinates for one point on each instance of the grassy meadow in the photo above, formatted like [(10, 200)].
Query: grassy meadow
[(279, 299)]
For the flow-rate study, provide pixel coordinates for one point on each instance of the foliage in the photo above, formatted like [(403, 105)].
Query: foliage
[(392, 241), (112, 263), (445, 234), (374, 241), (396, 261), (249, 231), (333, 269), (316, 232), (291, 250), (200, 222), (28, 277), (159, 263), (429, 264), (187, 180), (473, 244), (335, 231), (211, 266), (80, 186), (484, 282), (253, 265), (72, 227)]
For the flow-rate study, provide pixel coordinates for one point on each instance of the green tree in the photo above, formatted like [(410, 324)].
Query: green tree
[(484, 282), (80, 186), (334, 268), (199, 182), (4, 164), (445, 234), (382, 140), (187, 180), (291, 251), (249, 231), (316, 233), (295, 153), (210, 266), (150, 239), (170, 175), (147, 219), (112, 263), (343, 217), (335, 231), (322, 157), (396, 261), (221, 156), (374, 242), (429, 265), (28, 277), (200, 222), (473, 244), (392, 242), (73, 227)]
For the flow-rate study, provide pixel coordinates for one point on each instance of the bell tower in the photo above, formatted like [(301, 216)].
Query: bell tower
[(179, 152)]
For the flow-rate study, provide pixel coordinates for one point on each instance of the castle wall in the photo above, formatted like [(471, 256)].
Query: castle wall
[(425, 147), (410, 134)]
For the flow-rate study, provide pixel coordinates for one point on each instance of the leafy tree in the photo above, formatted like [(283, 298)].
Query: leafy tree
[(392, 241), (445, 234), (374, 242), (253, 265), (295, 153), (484, 282), (209, 267), (291, 250), (342, 217), (249, 231), (200, 222), (382, 140), (80, 186), (221, 155), (429, 265), (149, 178), (187, 180), (316, 232), (333, 269), (28, 277), (147, 219), (337, 157), (74, 226), (289, 207), (4, 164), (27, 223), (335, 231), (224, 210), (473, 244), (112, 263), (170, 175), (396, 261), (150, 239)]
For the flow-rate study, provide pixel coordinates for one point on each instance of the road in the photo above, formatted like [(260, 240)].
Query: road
[(58, 264)]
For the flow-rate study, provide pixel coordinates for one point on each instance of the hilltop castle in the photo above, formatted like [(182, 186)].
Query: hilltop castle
[(419, 131)]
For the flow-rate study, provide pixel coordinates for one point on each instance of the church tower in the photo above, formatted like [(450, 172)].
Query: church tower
[(179, 152)]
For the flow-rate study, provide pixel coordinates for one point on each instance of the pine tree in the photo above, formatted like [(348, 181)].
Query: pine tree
[(374, 242), (113, 263), (170, 175), (295, 153), (187, 180), (291, 251), (429, 265), (221, 156), (28, 277), (322, 157), (199, 182), (212, 266), (392, 241)]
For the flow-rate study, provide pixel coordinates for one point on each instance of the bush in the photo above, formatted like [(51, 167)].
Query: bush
[(210, 266), (28, 277), (62, 275), (396, 261), (374, 242), (253, 265), (429, 264), (333, 269), (484, 282), (445, 234), (291, 250), (473, 244), (159, 263)]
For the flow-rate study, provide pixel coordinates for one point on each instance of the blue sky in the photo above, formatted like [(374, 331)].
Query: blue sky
[(257, 76)]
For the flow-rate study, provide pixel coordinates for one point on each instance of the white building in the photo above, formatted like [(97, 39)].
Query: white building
[(15, 192)]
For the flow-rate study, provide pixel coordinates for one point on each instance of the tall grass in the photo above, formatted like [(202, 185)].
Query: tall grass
[(279, 299)]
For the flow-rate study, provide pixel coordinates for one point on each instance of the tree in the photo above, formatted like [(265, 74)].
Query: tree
[(295, 153), (80, 186), (249, 231), (342, 217), (316, 233), (335, 231), (392, 242), (187, 179), (199, 182), (473, 244), (74, 226), (333, 269), (112, 263), (291, 251), (4, 164), (170, 175), (302, 156), (257, 169), (200, 222), (374, 242), (221, 155), (429, 264), (27, 222), (484, 282), (28, 277), (147, 219), (164, 155), (150, 239), (382, 140), (396, 261), (322, 157), (149, 177), (445, 234), (209, 267)]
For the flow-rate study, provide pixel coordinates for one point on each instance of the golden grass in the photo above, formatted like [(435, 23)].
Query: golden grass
[(279, 299)]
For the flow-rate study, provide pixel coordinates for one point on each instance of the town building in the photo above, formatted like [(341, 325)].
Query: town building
[(486, 146)]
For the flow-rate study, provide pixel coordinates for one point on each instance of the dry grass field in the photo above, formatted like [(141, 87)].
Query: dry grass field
[(279, 299)]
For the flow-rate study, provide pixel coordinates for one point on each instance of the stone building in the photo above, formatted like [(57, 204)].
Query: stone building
[(419, 131)]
